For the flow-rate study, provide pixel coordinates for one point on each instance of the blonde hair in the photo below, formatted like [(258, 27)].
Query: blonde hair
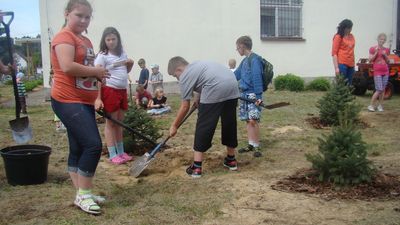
[(157, 91), (174, 63), (232, 63), (382, 34)]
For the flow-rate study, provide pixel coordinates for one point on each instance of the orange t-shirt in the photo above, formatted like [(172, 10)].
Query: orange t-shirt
[(67, 88), (343, 48)]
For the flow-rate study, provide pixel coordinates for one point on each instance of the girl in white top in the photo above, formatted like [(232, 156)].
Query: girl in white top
[(112, 97)]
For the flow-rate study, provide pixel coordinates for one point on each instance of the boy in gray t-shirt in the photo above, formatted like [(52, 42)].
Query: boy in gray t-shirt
[(218, 91)]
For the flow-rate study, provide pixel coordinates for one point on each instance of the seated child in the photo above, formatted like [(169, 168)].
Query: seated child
[(142, 97), (21, 92), (158, 105)]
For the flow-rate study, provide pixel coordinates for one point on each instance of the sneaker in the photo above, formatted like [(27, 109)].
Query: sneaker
[(371, 108), (117, 160), (194, 172), (126, 157), (380, 108), (246, 149), (87, 204), (230, 164), (257, 152)]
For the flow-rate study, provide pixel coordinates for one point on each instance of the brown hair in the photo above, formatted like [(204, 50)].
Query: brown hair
[(72, 4), (103, 45), (142, 61), (139, 88), (174, 63), (245, 41)]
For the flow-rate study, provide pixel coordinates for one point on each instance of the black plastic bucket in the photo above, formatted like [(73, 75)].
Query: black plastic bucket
[(26, 164)]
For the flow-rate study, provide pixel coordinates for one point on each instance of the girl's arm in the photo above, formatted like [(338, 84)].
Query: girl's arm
[(151, 104), (129, 65), (335, 50), (372, 55), (335, 64), (65, 55), (98, 103)]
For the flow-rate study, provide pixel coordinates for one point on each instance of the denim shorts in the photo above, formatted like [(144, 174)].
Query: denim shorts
[(83, 136)]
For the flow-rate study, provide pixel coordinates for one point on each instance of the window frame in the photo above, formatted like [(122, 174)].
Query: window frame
[(280, 4)]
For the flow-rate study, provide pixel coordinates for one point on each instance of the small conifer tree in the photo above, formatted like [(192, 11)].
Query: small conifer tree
[(335, 101), (342, 157), (142, 122)]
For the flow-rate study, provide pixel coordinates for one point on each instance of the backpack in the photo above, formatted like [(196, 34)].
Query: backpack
[(267, 72)]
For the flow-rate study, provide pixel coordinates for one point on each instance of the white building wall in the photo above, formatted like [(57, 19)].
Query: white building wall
[(160, 29)]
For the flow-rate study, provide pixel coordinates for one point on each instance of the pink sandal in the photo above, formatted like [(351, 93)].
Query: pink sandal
[(117, 160), (126, 156)]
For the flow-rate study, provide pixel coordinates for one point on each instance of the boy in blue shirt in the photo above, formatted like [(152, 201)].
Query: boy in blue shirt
[(249, 74)]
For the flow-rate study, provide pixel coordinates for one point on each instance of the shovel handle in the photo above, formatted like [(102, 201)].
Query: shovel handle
[(158, 147), (108, 116), (10, 53)]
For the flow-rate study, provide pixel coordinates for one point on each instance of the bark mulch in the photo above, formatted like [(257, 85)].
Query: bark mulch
[(316, 123), (383, 187)]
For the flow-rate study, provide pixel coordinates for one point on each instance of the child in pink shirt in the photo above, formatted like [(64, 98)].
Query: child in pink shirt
[(378, 55)]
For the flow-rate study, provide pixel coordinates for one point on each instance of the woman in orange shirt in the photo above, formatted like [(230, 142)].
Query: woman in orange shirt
[(72, 97), (343, 50)]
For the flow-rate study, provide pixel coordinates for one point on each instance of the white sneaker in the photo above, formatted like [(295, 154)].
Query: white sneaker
[(380, 108), (371, 108)]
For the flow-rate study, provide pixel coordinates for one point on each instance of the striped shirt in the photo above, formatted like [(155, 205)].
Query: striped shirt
[(21, 89)]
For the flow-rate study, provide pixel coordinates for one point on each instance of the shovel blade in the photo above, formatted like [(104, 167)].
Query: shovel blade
[(140, 164), (21, 131)]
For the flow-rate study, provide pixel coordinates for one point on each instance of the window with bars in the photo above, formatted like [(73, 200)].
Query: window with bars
[(281, 19)]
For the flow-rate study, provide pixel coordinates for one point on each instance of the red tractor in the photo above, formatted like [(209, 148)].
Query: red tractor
[(363, 79)]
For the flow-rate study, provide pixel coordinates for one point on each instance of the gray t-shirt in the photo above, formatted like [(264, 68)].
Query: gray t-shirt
[(213, 81)]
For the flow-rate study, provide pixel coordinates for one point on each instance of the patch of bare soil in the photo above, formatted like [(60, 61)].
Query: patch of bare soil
[(285, 129), (383, 186)]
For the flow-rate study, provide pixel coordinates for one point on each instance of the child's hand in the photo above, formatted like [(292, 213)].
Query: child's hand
[(172, 131), (98, 104), (102, 73)]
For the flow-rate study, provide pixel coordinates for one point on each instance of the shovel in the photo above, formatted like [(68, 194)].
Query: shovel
[(272, 106), (21, 130), (143, 161)]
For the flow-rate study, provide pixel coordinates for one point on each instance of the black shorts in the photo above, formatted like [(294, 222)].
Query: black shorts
[(207, 121)]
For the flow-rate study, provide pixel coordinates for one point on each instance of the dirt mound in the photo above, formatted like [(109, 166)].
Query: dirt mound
[(285, 129), (383, 186)]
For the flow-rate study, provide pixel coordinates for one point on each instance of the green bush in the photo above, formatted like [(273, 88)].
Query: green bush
[(319, 84), (289, 82), (8, 82), (335, 101), (142, 122), (30, 85), (342, 157)]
